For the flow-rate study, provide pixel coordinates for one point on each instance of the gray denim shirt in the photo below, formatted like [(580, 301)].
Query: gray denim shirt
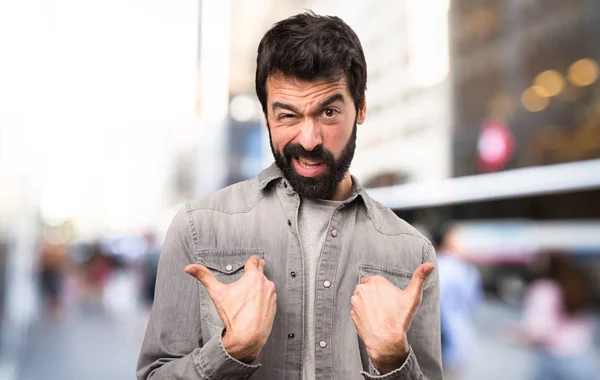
[(260, 217)]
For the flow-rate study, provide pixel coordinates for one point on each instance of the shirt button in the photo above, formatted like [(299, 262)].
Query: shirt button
[(229, 267), (327, 284), (291, 336), (289, 223), (334, 233), (293, 274), (323, 344)]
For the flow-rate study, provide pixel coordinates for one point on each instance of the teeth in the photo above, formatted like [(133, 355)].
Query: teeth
[(305, 162)]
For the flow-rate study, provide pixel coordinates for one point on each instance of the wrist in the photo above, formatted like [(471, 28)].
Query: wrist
[(246, 353), (391, 359)]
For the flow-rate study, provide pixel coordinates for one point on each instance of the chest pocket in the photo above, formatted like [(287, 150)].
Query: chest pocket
[(227, 265), (400, 279)]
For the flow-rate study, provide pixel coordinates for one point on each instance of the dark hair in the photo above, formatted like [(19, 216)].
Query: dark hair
[(559, 267), (311, 47)]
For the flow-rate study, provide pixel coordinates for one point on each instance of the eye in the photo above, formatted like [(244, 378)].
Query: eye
[(285, 116), (330, 113)]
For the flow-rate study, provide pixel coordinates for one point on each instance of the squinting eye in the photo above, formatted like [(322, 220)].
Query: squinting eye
[(285, 116)]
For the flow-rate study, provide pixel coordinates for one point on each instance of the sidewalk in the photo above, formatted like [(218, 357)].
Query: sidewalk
[(91, 341)]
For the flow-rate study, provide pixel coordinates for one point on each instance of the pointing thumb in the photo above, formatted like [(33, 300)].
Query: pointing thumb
[(202, 274), (420, 275)]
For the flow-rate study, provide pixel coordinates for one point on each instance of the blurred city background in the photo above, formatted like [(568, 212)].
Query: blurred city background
[(481, 113)]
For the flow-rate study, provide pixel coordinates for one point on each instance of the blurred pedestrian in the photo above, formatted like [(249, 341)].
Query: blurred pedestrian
[(460, 294), (98, 269), (558, 320), (51, 278)]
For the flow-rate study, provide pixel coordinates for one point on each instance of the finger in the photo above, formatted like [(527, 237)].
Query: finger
[(359, 289), (203, 274), (354, 316), (253, 263), (418, 278), (261, 265)]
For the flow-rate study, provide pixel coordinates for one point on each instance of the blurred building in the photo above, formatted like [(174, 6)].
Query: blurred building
[(525, 83)]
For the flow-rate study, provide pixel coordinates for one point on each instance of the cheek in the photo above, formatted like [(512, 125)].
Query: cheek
[(281, 136), (335, 140)]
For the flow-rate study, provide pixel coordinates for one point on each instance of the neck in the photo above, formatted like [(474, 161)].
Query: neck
[(343, 189)]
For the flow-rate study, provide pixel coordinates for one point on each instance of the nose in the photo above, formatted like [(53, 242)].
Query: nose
[(310, 135)]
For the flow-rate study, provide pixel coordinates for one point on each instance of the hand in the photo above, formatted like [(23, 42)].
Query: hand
[(382, 314), (246, 307)]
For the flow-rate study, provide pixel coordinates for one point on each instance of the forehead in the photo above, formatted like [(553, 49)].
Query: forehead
[(297, 91)]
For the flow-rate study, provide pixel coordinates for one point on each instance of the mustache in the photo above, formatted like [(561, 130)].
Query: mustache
[(318, 153)]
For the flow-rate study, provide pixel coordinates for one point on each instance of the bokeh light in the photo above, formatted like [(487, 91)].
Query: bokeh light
[(549, 82), (583, 72), (532, 101)]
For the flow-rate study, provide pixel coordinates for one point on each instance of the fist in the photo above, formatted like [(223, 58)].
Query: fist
[(246, 307), (382, 314)]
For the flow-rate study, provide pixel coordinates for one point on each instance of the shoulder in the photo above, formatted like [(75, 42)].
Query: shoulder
[(389, 225), (238, 198), (386, 222)]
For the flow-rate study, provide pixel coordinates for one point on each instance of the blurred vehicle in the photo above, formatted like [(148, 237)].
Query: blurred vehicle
[(504, 219), (504, 250)]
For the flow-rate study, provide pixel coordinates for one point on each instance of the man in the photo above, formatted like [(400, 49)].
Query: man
[(297, 273)]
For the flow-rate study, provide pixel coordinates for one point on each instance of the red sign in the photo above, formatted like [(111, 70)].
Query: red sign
[(495, 145)]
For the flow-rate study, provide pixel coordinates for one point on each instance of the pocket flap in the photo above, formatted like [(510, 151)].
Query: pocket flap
[(227, 261), (400, 279)]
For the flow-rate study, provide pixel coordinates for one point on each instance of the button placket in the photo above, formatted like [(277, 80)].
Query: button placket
[(324, 300)]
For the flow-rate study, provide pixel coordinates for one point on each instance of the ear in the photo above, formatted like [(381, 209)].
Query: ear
[(362, 112)]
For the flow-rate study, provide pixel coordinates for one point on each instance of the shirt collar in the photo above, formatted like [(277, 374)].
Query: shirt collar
[(272, 173)]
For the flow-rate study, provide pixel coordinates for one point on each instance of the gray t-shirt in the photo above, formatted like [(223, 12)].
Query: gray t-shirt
[(313, 220)]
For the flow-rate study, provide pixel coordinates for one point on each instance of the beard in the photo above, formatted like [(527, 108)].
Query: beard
[(324, 185)]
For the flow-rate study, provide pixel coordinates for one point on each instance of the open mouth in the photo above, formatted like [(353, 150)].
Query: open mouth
[(308, 163), (308, 167)]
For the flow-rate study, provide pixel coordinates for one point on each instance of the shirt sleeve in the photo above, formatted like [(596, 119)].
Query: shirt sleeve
[(173, 347), (408, 371), (424, 360)]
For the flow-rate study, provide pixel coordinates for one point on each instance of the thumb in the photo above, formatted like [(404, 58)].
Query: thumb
[(419, 276), (254, 263), (203, 274)]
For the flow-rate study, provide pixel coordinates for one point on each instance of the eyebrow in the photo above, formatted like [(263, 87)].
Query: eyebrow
[(330, 100), (284, 106)]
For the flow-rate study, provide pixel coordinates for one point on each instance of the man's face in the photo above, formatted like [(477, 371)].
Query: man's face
[(312, 127)]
